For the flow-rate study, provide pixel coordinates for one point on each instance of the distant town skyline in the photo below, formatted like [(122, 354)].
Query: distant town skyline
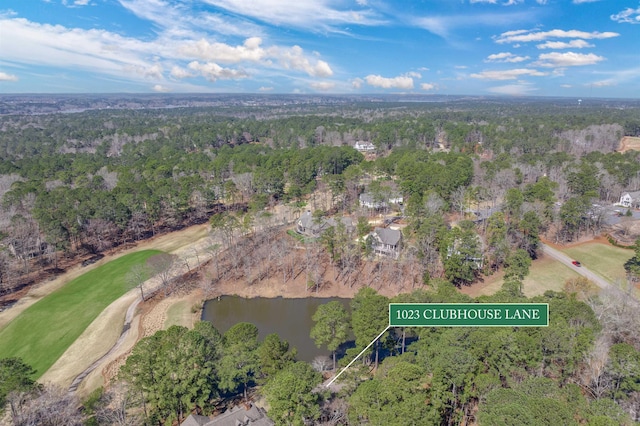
[(581, 48)]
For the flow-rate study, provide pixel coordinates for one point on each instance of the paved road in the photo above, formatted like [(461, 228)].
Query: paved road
[(582, 270)]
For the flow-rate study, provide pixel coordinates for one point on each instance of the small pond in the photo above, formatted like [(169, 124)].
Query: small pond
[(289, 318)]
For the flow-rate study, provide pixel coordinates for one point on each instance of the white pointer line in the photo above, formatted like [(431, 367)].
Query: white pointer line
[(358, 356)]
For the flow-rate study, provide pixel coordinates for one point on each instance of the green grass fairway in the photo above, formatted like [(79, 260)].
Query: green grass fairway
[(42, 333), (603, 259)]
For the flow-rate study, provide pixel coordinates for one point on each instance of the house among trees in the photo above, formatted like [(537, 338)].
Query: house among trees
[(481, 215), (630, 199), (368, 200), (363, 146), (241, 415), (310, 226), (386, 241)]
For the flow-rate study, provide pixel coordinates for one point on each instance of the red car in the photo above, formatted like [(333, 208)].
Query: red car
[(576, 263)]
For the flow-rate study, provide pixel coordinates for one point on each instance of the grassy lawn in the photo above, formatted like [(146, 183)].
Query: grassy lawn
[(179, 314), (44, 331), (603, 259), (301, 238), (544, 274), (547, 274)]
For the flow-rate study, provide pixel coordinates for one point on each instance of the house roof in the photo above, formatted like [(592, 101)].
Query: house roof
[(242, 415), (307, 221), (196, 420), (366, 197), (388, 236), (634, 195)]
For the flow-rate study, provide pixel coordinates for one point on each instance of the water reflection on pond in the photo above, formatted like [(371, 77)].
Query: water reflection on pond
[(290, 318)]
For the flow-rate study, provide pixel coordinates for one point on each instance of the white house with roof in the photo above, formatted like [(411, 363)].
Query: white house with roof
[(364, 146), (630, 199)]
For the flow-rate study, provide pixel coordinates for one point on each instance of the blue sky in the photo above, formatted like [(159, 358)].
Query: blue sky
[(581, 48)]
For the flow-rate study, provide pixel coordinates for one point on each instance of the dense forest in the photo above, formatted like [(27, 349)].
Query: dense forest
[(482, 181), (76, 184)]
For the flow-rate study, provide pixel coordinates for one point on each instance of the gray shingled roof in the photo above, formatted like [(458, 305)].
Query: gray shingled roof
[(388, 236), (239, 415), (196, 420)]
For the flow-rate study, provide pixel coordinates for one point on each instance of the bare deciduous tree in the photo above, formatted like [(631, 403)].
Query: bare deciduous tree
[(115, 407), (50, 406), (161, 266), (136, 277)]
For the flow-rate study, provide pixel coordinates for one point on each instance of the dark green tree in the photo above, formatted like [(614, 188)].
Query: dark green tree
[(274, 355), (369, 317), (239, 363), (291, 397), (15, 376), (331, 327), (175, 370)]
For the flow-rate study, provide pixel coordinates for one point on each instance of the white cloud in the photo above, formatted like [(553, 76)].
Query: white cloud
[(7, 77), (603, 83), (443, 26), (427, 86), (506, 57), (323, 85), (400, 82), (567, 59), (584, 1), (76, 3), (527, 36), (483, 1), (362, 2), (513, 89), (413, 74), (512, 2), (356, 83), (573, 44), (250, 51), (180, 73), (93, 50), (106, 53), (294, 58), (212, 71), (627, 16), (566, 86), (265, 89), (508, 74), (151, 71), (541, 1), (160, 88), (317, 15)]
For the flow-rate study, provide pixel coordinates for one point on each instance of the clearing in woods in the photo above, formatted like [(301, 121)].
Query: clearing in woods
[(629, 143)]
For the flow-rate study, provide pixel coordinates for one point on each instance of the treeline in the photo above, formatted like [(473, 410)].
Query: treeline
[(584, 368), (81, 183)]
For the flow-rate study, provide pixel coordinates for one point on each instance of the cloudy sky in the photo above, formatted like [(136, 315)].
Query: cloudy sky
[(582, 48)]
